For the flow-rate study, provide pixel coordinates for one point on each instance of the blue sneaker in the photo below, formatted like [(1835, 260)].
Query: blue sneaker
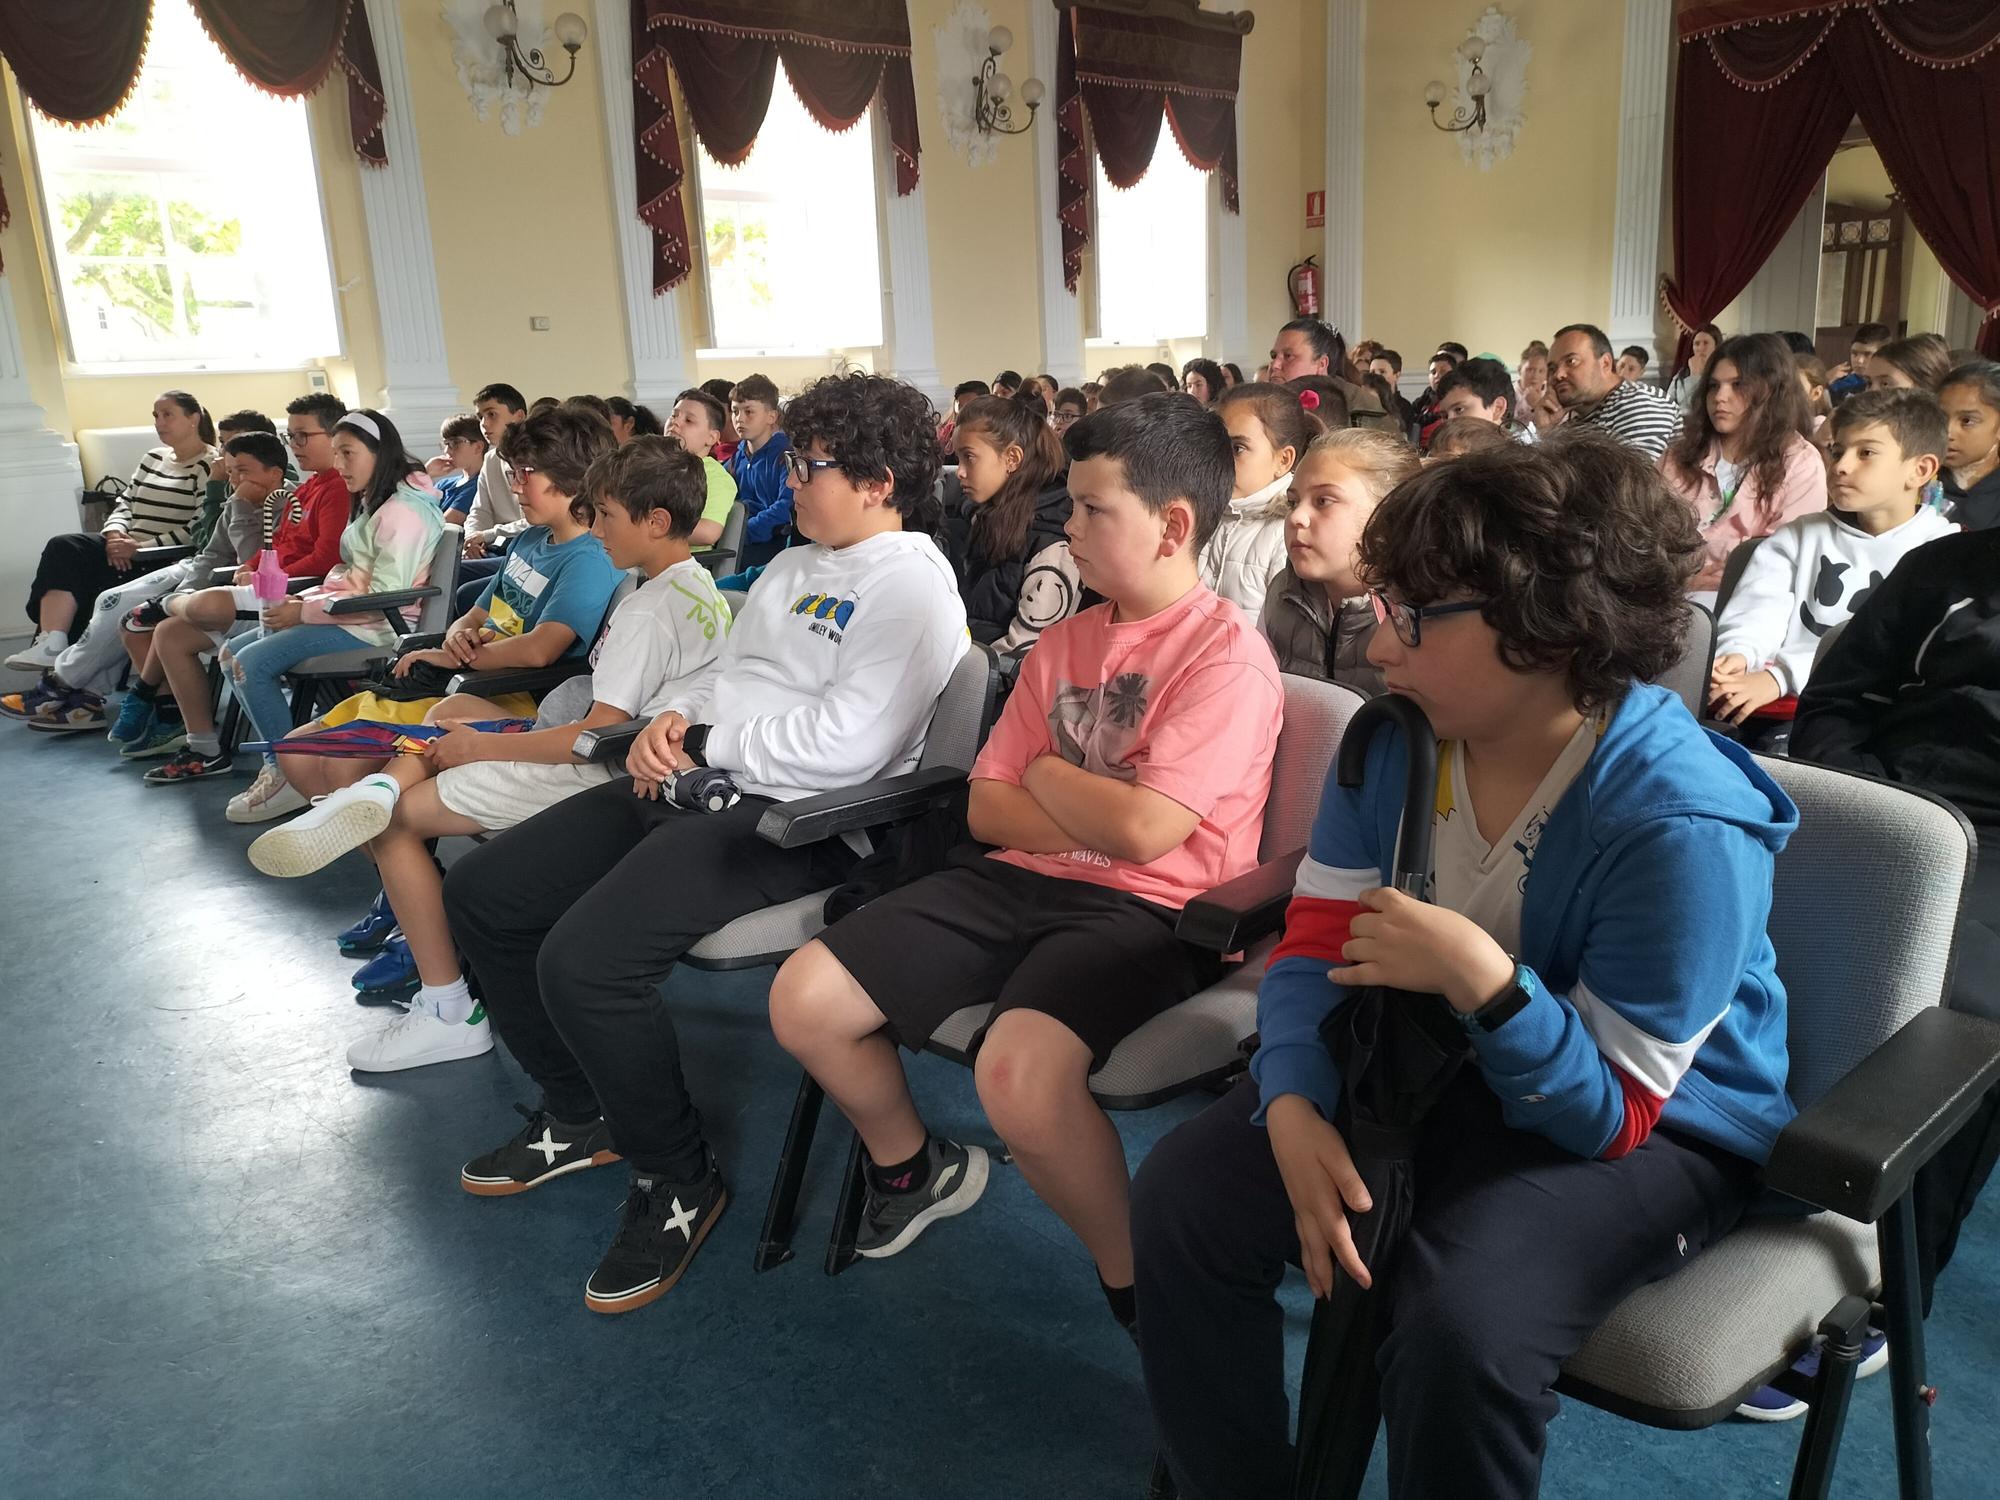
[(162, 737), (1769, 1404), (135, 719), (389, 974), (371, 932)]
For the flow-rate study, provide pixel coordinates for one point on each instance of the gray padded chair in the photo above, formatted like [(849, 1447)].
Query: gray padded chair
[(721, 558), (1732, 572), (311, 678), (1883, 1077), (1203, 1041), (1688, 677)]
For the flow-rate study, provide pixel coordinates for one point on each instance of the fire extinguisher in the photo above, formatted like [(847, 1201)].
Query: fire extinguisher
[(1303, 282)]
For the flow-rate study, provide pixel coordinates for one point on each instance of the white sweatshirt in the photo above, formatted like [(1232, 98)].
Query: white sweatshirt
[(1248, 548), (833, 666), (1804, 579)]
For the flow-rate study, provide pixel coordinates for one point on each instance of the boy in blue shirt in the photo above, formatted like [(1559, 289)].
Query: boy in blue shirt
[(758, 467), (1601, 882), (464, 456)]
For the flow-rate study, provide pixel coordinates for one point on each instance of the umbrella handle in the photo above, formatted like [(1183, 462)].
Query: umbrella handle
[(1413, 843)]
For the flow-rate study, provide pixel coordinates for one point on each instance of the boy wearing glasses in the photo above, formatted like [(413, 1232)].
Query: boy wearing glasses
[(1127, 774), (572, 919), (1600, 885), (759, 468)]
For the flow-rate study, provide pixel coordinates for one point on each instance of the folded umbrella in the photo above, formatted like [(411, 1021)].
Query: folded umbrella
[(365, 739)]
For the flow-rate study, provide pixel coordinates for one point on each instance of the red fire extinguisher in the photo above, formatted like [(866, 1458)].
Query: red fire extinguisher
[(1303, 281)]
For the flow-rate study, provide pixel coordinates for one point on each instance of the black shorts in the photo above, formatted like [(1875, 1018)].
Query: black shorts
[(1100, 961)]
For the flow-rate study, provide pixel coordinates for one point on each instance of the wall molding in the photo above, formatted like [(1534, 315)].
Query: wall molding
[(40, 474), (1642, 166), (1346, 164), (909, 333)]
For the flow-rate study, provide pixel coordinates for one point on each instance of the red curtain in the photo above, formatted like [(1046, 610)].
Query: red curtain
[(725, 56), (1117, 77), (76, 60), (1761, 106)]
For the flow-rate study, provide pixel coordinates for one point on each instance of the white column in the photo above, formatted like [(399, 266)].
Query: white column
[(1340, 262), (1642, 164), (661, 370), (1229, 271), (1785, 291), (906, 299), (39, 473), (417, 388), (1062, 312)]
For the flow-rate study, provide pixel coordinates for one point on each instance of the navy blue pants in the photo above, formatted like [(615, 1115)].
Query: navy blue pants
[(1517, 1252)]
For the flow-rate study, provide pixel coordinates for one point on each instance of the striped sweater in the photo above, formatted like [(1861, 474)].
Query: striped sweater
[(164, 498)]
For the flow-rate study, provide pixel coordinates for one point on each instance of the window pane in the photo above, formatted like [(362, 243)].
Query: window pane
[(187, 228), (1152, 252), (791, 252)]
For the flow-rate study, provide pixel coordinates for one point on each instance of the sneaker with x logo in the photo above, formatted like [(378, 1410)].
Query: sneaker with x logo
[(543, 1148), (661, 1226)]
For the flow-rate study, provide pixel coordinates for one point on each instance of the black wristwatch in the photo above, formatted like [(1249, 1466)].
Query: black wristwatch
[(1504, 1006), (694, 743)]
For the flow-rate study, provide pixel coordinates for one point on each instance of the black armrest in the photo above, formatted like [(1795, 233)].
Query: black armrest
[(813, 820), (607, 746), (367, 604), (1855, 1149), (429, 641), (536, 680), (1238, 912), (715, 557), (152, 559)]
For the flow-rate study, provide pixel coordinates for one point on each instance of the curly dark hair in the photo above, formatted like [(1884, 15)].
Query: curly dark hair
[(1580, 549), (1778, 411), (873, 426), (562, 442)]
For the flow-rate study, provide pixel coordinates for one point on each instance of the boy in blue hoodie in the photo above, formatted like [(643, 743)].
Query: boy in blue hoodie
[(1600, 885), (763, 483)]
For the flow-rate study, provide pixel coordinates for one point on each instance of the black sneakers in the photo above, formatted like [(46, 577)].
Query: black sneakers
[(663, 1225), (545, 1148), (891, 1221)]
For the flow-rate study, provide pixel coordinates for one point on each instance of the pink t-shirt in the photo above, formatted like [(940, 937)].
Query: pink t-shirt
[(1187, 703)]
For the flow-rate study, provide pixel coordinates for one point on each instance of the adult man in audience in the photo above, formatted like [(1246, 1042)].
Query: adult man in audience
[(1306, 346), (496, 517), (1585, 391), (1482, 389)]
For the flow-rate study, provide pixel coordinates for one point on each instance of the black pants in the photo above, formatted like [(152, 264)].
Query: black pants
[(474, 573), (75, 563), (571, 920), (1517, 1252)]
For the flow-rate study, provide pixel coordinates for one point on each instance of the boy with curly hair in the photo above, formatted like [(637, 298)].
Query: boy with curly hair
[(1600, 883), (571, 920)]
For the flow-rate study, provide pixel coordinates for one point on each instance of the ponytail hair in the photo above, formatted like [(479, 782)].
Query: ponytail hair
[(644, 422), (1000, 526), (1286, 423), (393, 464), (205, 428)]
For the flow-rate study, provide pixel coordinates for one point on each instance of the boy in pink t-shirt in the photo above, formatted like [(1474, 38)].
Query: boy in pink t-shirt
[(1127, 774)]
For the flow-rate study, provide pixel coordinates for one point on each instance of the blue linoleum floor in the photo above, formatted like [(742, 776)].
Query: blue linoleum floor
[(228, 1267)]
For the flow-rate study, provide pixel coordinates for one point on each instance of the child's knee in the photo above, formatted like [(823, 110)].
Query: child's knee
[(1031, 1072), (803, 996)]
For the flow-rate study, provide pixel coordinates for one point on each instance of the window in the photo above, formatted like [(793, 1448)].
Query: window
[(186, 230), (1152, 252), (793, 260)]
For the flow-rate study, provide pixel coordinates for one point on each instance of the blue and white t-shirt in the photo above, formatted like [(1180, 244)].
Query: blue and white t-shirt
[(568, 582)]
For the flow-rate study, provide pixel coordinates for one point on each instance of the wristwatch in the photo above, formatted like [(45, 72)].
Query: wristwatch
[(694, 743), (1504, 1006)]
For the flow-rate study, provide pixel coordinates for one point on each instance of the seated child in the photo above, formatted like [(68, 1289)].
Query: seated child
[(696, 424), (571, 920), (1317, 616), (1127, 774), (1006, 537), (1626, 1022), (464, 457), (496, 517), (1268, 432), (1807, 577), (544, 604), (1971, 400), (663, 642), (759, 468), (1481, 389), (386, 548), (1455, 437)]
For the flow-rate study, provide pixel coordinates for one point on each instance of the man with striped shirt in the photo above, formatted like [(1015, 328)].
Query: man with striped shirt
[(1584, 380)]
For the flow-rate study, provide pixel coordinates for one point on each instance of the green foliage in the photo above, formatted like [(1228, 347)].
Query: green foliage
[(120, 221)]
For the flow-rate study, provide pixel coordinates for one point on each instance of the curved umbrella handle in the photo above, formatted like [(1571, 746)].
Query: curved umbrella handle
[(1413, 843)]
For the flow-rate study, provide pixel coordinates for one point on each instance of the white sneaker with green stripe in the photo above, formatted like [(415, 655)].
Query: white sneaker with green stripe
[(417, 1038)]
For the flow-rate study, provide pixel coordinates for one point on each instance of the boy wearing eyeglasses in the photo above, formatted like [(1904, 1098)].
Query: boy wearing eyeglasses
[(1598, 895), (571, 920), (758, 466), (1127, 774)]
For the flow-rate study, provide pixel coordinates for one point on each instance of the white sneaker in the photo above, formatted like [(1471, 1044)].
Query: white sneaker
[(270, 796), (341, 820), (40, 657), (417, 1038)]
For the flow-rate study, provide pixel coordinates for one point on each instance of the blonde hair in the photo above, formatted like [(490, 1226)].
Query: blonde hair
[(1381, 459)]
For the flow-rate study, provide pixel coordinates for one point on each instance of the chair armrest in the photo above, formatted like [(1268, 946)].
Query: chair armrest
[(1855, 1149), (1236, 913), (536, 680), (607, 746), (366, 604), (301, 584), (429, 641), (715, 557), (152, 559), (813, 820)]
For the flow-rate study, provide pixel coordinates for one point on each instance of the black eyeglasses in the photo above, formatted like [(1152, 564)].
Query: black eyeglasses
[(800, 469), (1407, 620), (300, 439)]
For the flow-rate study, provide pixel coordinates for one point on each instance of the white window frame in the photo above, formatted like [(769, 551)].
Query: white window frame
[(1094, 337)]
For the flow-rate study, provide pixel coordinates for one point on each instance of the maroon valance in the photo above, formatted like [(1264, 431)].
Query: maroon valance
[(1761, 106), (1118, 75), (77, 60), (725, 56)]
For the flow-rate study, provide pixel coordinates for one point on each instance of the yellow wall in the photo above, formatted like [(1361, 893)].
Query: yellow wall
[(1490, 258)]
